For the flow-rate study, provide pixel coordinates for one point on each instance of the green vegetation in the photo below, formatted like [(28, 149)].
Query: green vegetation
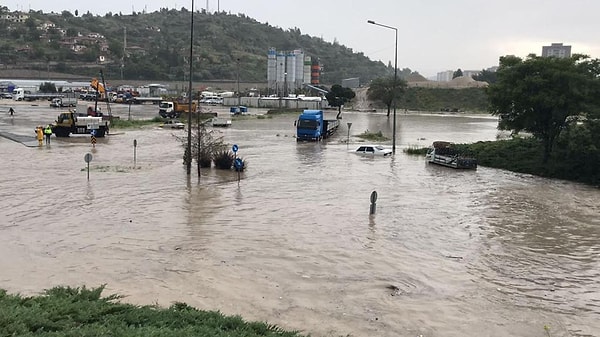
[(575, 156), (384, 91), (373, 136), (65, 311), (545, 95), (119, 123), (437, 99), (416, 150), (155, 42), (572, 159), (338, 96), (224, 160)]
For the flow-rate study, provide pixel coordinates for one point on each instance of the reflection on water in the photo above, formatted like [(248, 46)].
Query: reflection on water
[(450, 253)]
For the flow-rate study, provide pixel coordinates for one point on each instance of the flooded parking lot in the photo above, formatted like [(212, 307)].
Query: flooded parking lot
[(448, 253)]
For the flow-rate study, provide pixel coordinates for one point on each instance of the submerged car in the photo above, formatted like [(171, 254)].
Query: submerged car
[(173, 124), (375, 150)]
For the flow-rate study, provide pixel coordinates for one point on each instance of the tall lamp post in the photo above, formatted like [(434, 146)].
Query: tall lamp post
[(395, 79), (238, 84)]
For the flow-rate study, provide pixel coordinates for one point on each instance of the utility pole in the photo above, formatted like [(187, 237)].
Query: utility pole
[(239, 94), (188, 149)]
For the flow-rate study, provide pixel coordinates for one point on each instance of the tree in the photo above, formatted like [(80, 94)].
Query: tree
[(338, 96), (485, 76), (382, 90), (457, 73), (48, 87), (541, 95)]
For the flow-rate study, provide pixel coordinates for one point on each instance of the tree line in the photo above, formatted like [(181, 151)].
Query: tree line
[(550, 105)]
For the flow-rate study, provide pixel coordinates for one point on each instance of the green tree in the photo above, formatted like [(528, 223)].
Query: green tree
[(338, 96), (457, 73), (32, 31), (47, 87), (382, 90), (540, 95), (485, 76)]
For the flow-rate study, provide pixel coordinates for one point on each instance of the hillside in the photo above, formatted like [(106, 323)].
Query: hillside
[(155, 46)]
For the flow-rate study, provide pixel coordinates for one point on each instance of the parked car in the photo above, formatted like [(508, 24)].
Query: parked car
[(375, 150), (173, 124), (6, 95)]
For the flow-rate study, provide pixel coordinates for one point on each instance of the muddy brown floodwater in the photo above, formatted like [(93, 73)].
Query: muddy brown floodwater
[(448, 253)]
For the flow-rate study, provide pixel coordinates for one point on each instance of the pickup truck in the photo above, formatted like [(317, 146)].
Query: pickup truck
[(312, 126)]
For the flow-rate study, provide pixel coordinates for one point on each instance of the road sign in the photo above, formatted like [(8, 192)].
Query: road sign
[(238, 163), (134, 142), (234, 148), (88, 159)]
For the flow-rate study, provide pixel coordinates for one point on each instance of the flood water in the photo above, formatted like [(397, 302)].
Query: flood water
[(448, 253)]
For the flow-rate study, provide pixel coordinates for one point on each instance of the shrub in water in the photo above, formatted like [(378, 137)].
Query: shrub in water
[(224, 160)]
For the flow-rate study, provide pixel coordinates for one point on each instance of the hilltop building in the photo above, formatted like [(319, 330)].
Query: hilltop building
[(556, 50)]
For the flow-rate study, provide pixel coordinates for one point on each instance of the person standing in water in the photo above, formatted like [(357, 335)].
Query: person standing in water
[(48, 133)]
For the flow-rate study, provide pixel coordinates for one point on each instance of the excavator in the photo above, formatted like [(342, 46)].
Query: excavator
[(99, 87), (101, 94)]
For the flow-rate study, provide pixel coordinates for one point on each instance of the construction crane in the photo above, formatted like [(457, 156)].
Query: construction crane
[(100, 88)]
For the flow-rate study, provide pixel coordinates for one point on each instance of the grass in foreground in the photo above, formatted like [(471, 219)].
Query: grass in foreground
[(66, 311)]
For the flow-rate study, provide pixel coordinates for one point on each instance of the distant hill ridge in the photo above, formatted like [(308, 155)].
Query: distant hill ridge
[(157, 47)]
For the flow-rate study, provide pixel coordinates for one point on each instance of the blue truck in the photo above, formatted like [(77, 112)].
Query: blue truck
[(312, 126)]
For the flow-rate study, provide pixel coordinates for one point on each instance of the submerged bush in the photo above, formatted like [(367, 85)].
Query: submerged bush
[(224, 159), (373, 136)]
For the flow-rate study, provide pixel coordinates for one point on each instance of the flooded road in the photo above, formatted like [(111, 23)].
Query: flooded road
[(448, 253)]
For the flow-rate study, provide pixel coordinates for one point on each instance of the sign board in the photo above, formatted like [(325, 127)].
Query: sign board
[(234, 148), (238, 163), (134, 142), (87, 157)]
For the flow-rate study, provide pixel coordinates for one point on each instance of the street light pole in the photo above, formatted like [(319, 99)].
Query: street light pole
[(238, 84), (395, 80)]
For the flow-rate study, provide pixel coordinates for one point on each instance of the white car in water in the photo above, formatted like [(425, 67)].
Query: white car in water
[(373, 150), (173, 124)]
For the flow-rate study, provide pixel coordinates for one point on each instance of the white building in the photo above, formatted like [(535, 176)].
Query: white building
[(445, 76), (556, 50)]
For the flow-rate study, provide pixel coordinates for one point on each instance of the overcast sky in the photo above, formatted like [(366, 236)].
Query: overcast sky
[(433, 35)]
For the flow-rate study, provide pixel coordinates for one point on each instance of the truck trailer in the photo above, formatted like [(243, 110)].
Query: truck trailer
[(60, 102), (311, 126)]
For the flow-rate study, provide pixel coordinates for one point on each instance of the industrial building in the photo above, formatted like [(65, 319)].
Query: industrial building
[(289, 71)]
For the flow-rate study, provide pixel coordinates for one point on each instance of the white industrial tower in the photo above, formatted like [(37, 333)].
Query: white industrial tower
[(287, 71)]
